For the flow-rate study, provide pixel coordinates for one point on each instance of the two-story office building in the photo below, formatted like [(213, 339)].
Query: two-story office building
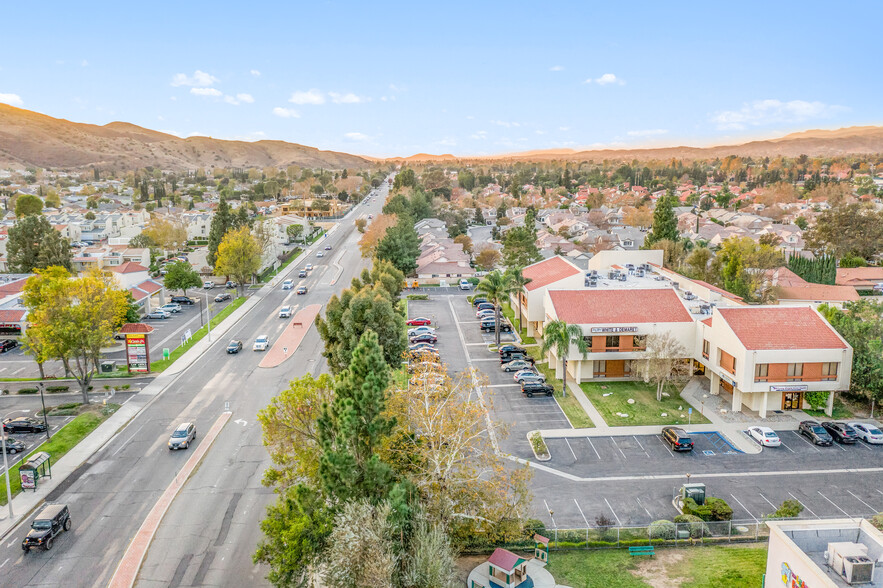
[(764, 357)]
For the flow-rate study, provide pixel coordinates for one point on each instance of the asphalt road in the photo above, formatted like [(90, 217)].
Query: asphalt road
[(211, 531)]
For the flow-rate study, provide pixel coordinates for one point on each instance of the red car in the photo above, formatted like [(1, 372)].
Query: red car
[(418, 322)]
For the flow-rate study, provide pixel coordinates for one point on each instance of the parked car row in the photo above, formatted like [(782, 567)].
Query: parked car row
[(486, 313)]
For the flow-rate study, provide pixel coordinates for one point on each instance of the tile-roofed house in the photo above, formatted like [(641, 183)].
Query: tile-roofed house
[(860, 278), (549, 271), (612, 307), (816, 294), (128, 267), (772, 328), (554, 272)]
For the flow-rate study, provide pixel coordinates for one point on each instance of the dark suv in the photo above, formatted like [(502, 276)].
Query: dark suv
[(512, 356), (677, 438), (51, 521), (23, 425), (815, 432), (841, 432), (491, 325), (531, 388), (182, 300), (508, 348)]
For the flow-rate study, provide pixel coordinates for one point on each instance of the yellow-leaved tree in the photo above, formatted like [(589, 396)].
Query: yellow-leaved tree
[(239, 256), (72, 318)]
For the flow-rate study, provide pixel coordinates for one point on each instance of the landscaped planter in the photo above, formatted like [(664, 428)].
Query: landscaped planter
[(538, 445)]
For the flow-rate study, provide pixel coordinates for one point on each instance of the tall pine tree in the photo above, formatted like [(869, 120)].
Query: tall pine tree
[(221, 223), (665, 223), (352, 426)]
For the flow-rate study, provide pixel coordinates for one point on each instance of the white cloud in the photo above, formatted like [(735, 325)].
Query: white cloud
[(308, 97), (765, 112), (479, 135), (395, 88), (563, 128), (647, 132), (205, 91), (538, 132), (84, 63), (11, 99), (356, 136), (199, 79), (169, 132), (447, 142), (255, 73), (556, 68), (286, 112), (503, 123), (239, 98), (606, 79), (197, 134), (348, 98)]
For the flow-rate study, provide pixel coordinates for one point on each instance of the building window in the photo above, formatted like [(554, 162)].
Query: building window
[(612, 341), (761, 372), (588, 340), (829, 371), (639, 342), (795, 372), (706, 348), (600, 369)]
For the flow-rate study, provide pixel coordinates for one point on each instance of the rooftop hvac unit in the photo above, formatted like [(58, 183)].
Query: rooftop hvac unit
[(851, 562)]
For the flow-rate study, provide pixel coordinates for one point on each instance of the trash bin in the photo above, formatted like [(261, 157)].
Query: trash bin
[(108, 367)]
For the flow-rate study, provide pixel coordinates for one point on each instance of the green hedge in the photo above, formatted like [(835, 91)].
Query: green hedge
[(51, 389), (714, 509), (697, 526), (28, 391)]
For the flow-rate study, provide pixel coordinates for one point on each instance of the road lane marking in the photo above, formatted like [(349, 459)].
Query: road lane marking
[(803, 505), (8, 558), (593, 448), (745, 508), (574, 501), (126, 442), (873, 510), (832, 502), (618, 522), (571, 449)]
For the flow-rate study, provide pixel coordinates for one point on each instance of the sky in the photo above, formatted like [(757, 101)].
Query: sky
[(468, 78)]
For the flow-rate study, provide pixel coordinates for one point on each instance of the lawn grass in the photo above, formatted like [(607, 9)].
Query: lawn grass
[(63, 440), (699, 567), (162, 364), (840, 412), (270, 273), (645, 411), (509, 313), (569, 404)]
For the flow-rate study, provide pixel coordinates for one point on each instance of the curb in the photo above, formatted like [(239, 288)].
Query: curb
[(129, 566)]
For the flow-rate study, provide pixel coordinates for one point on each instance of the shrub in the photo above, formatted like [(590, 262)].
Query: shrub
[(877, 520), (539, 446), (694, 524), (790, 509), (124, 387), (531, 526), (663, 530), (720, 510), (52, 389), (28, 391), (418, 296)]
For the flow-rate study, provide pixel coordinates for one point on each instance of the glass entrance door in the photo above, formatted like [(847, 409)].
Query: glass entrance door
[(791, 400)]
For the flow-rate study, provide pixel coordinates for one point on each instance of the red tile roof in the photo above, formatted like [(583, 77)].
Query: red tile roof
[(128, 267), (591, 307), (14, 287), (720, 291), (504, 559), (149, 286), (782, 327), (132, 328), (707, 321), (11, 316), (548, 272), (859, 276)]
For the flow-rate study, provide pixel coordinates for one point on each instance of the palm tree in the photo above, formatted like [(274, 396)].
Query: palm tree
[(559, 336), (496, 286), (518, 283)]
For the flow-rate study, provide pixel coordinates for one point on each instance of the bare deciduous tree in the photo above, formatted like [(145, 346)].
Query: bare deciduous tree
[(662, 361)]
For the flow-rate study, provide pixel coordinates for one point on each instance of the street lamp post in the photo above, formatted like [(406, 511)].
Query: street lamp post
[(208, 313), (6, 467), (45, 419)]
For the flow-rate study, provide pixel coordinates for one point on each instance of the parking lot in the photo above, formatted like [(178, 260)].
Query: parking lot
[(32, 440)]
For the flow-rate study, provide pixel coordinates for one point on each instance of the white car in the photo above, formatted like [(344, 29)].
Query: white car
[(320, 254), (171, 307), (285, 312), (261, 343), (465, 285), (288, 284), (420, 331), (868, 433), (765, 436), (309, 267), (208, 285)]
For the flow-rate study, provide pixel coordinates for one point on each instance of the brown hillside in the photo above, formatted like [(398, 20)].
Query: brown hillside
[(30, 138)]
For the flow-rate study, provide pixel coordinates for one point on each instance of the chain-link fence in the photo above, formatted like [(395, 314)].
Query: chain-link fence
[(659, 533)]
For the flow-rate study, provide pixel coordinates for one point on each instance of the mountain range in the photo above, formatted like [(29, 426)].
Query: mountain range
[(33, 139)]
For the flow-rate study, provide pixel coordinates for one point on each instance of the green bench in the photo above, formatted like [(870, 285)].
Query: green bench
[(648, 550)]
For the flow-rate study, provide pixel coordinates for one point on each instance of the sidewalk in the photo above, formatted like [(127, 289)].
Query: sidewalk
[(26, 502)]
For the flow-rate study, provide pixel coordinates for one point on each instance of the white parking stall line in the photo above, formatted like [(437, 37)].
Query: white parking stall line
[(2, 370), (838, 446), (863, 445), (577, 505), (786, 447), (572, 452), (635, 437), (502, 385), (618, 522), (745, 508), (8, 558), (617, 446), (808, 509), (592, 445), (873, 510), (879, 492), (482, 343), (832, 502), (638, 500), (768, 501), (18, 371), (485, 359), (802, 438), (549, 510), (664, 445)]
